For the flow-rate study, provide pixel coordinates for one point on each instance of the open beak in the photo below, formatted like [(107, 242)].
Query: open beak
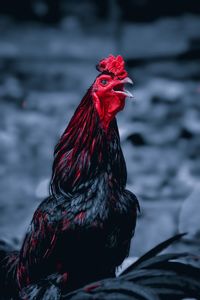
[(121, 89)]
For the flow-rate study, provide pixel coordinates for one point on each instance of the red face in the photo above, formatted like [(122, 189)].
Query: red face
[(109, 96)]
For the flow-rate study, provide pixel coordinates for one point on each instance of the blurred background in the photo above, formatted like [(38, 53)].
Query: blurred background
[(48, 53)]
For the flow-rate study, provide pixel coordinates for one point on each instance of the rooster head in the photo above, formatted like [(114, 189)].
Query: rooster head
[(108, 90)]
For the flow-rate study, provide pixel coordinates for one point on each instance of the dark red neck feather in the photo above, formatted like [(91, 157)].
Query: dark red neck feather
[(85, 150)]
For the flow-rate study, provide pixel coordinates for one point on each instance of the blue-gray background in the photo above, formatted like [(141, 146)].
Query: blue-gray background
[(48, 53)]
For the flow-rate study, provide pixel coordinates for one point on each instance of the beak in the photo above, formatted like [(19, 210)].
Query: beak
[(127, 80)]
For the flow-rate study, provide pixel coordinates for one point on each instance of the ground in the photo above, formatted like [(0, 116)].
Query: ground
[(45, 71)]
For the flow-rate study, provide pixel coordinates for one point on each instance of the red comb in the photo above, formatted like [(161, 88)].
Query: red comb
[(114, 65)]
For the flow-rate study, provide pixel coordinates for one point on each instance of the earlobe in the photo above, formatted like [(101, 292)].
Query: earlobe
[(98, 105)]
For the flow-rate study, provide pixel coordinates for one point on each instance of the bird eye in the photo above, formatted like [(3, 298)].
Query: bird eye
[(104, 81)]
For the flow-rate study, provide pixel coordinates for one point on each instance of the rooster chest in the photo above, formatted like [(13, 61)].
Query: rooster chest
[(96, 220), (95, 226), (99, 225), (99, 205), (93, 237)]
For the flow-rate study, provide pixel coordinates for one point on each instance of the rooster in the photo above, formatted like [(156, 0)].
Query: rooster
[(82, 231)]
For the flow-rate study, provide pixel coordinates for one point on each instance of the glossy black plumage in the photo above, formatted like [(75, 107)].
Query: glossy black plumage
[(83, 230)]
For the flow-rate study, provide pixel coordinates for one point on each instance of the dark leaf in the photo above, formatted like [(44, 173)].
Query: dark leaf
[(190, 286), (138, 274), (153, 252), (159, 260)]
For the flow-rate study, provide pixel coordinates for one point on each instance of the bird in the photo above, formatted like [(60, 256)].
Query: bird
[(83, 229)]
